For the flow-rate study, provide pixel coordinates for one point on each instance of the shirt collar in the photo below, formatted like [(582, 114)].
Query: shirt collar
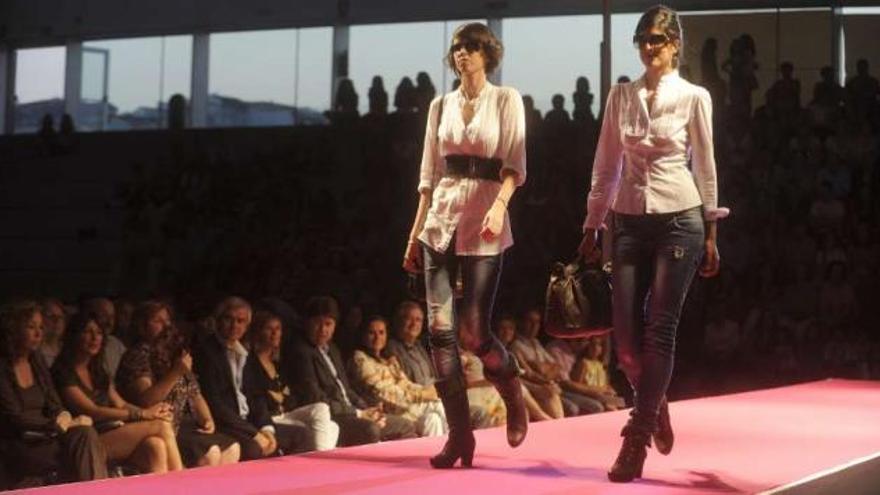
[(483, 92), (237, 348), (666, 79)]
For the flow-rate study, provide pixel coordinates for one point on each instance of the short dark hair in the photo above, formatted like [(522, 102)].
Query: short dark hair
[(491, 46), (667, 20), (322, 306)]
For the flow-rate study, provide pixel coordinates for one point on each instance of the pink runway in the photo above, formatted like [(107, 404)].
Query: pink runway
[(743, 443)]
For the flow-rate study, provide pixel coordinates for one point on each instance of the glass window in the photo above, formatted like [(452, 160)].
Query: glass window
[(861, 37), (252, 78), (375, 51), (39, 87), (545, 56), (143, 73), (314, 56), (624, 56)]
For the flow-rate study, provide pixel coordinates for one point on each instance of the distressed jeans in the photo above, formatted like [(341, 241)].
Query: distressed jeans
[(480, 276), (654, 260)]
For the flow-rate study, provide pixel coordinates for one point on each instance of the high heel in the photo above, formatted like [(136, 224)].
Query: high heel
[(664, 436), (631, 459), (510, 389), (460, 447), (461, 443)]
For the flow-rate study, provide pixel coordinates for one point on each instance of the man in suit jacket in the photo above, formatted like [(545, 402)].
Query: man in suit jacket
[(219, 362), (315, 367)]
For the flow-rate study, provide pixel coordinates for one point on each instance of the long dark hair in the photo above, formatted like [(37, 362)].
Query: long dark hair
[(362, 334), (166, 346), (76, 327)]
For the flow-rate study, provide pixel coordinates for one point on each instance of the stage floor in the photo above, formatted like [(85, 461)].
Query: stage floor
[(742, 443)]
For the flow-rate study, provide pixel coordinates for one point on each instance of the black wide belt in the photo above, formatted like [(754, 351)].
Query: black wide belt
[(473, 167)]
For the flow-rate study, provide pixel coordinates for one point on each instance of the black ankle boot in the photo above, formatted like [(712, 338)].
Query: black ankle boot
[(631, 458), (510, 389), (460, 443), (664, 437)]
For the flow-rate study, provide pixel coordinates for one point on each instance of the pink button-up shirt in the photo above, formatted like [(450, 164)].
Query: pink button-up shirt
[(459, 205), (641, 162)]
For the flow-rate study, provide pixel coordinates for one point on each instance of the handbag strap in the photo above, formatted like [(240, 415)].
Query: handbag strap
[(439, 119)]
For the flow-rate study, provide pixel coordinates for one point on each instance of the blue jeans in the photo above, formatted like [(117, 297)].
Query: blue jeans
[(480, 276), (654, 260)]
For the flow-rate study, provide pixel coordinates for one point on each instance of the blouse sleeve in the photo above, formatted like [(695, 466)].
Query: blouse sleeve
[(607, 164), (432, 165), (369, 372), (135, 364), (703, 156), (512, 141)]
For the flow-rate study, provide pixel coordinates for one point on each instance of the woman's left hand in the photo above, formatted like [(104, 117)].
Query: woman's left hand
[(494, 221), (711, 260), (207, 427)]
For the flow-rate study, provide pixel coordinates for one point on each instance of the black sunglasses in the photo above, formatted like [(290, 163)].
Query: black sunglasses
[(645, 39), (470, 46)]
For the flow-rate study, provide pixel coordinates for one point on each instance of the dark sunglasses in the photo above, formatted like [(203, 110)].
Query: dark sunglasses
[(470, 46), (646, 39)]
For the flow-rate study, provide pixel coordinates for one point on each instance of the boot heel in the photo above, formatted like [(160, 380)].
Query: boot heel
[(467, 459), (631, 459)]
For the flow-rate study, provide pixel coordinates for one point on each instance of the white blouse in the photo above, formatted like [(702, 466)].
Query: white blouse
[(641, 162), (497, 130)]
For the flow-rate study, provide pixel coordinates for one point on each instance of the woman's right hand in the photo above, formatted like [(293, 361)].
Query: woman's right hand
[(412, 258), (161, 411), (184, 363), (63, 421), (589, 248)]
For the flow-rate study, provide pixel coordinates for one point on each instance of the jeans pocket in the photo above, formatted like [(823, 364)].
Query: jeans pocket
[(690, 221)]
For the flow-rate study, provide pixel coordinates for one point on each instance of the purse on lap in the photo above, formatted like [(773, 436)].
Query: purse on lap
[(578, 300)]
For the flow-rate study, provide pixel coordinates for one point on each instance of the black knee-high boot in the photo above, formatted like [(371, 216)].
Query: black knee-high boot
[(502, 370), (452, 389)]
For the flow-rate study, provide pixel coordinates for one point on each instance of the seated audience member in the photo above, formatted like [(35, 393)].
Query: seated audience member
[(267, 385), (407, 345), (38, 437), (591, 371), (158, 368), (124, 310), (540, 366), (131, 435), (219, 361), (543, 399), (105, 315), (566, 352), (378, 376), (487, 408), (315, 368), (54, 321)]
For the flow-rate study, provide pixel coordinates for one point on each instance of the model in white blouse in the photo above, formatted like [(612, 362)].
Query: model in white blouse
[(460, 205), (462, 226), (641, 163), (665, 224)]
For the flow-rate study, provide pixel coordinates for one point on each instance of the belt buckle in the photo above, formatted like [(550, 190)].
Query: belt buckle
[(472, 167)]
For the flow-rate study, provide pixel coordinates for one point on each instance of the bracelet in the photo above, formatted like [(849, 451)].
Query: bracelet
[(502, 201), (413, 241), (135, 414)]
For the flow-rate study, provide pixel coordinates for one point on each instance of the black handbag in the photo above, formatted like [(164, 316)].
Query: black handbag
[(578, 300)]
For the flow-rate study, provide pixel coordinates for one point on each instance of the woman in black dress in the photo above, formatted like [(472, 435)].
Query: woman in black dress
[(38, 437), (158, 368)]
